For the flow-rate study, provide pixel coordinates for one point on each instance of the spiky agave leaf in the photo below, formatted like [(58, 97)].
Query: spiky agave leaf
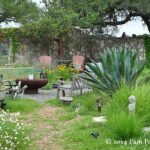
[(118, 66)]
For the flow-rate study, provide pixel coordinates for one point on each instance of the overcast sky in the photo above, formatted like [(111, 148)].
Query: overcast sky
[(133, 27)]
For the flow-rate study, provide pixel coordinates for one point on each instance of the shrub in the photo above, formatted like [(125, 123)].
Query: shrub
[(12, 133), (60, 71), (118, 66)]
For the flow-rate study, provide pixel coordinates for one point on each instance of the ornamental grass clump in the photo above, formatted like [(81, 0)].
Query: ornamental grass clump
[(118, 66), (12, 133), (125, 126)]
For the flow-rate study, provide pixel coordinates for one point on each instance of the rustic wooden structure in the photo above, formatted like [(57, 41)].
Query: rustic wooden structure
[(77, 83)]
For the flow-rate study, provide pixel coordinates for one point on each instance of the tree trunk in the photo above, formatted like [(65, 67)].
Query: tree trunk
[(147, 22)]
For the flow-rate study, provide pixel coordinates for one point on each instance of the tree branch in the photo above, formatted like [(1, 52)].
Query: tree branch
[(128, 18)]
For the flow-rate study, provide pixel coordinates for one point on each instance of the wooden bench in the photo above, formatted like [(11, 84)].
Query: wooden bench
[(66, 99)]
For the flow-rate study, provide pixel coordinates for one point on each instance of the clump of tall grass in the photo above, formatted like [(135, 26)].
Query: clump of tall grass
[(123, 124), (119, 101), (22, 105), (142, 94)]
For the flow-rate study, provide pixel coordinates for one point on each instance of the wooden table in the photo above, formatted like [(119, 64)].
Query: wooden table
[(33, 85)]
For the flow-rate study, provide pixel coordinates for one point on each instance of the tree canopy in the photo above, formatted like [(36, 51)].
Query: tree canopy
[(96, 14), (17, 10), (120, 12), (53, 21), (59, 16)]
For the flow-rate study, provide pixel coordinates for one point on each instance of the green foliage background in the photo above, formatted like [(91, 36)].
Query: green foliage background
[(147, 50)]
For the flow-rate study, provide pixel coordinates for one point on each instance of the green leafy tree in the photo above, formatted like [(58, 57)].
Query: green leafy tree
[(53, 22), (119, 12), (98, 14), (18, 11)]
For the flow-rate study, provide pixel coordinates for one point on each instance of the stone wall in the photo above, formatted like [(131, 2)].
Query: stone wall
[(29, 53), (77, 42), (91, 46)]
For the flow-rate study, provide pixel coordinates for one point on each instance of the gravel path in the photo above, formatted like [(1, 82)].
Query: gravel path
[(43, 95)]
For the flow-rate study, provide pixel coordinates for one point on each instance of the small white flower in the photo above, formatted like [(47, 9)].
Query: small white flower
[(27, 138)]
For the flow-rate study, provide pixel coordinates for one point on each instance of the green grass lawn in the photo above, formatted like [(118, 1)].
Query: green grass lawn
[(22, 105), (77, 132), (55, 125)]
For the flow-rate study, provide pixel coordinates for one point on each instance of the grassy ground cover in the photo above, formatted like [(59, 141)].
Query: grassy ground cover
[(55, 125)]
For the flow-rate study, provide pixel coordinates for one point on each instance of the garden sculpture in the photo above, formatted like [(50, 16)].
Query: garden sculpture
[(132, 101)]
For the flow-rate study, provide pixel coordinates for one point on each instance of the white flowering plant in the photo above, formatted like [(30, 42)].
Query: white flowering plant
[(12, 133)]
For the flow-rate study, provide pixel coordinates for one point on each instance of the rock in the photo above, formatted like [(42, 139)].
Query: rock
[(134, 35), (95, 134), (101, 119), (146, 129)]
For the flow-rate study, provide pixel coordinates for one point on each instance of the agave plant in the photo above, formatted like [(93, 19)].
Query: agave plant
[(118, 66)]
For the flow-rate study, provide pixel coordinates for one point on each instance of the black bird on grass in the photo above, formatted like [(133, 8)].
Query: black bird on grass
[(95, 134)]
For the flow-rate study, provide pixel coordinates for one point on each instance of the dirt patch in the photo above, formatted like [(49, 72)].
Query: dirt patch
[(48, 128), (46, 136), (49, 112)]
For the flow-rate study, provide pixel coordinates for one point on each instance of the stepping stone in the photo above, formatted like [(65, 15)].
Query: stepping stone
[(66, 99), (101, 119), (146, 129)]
